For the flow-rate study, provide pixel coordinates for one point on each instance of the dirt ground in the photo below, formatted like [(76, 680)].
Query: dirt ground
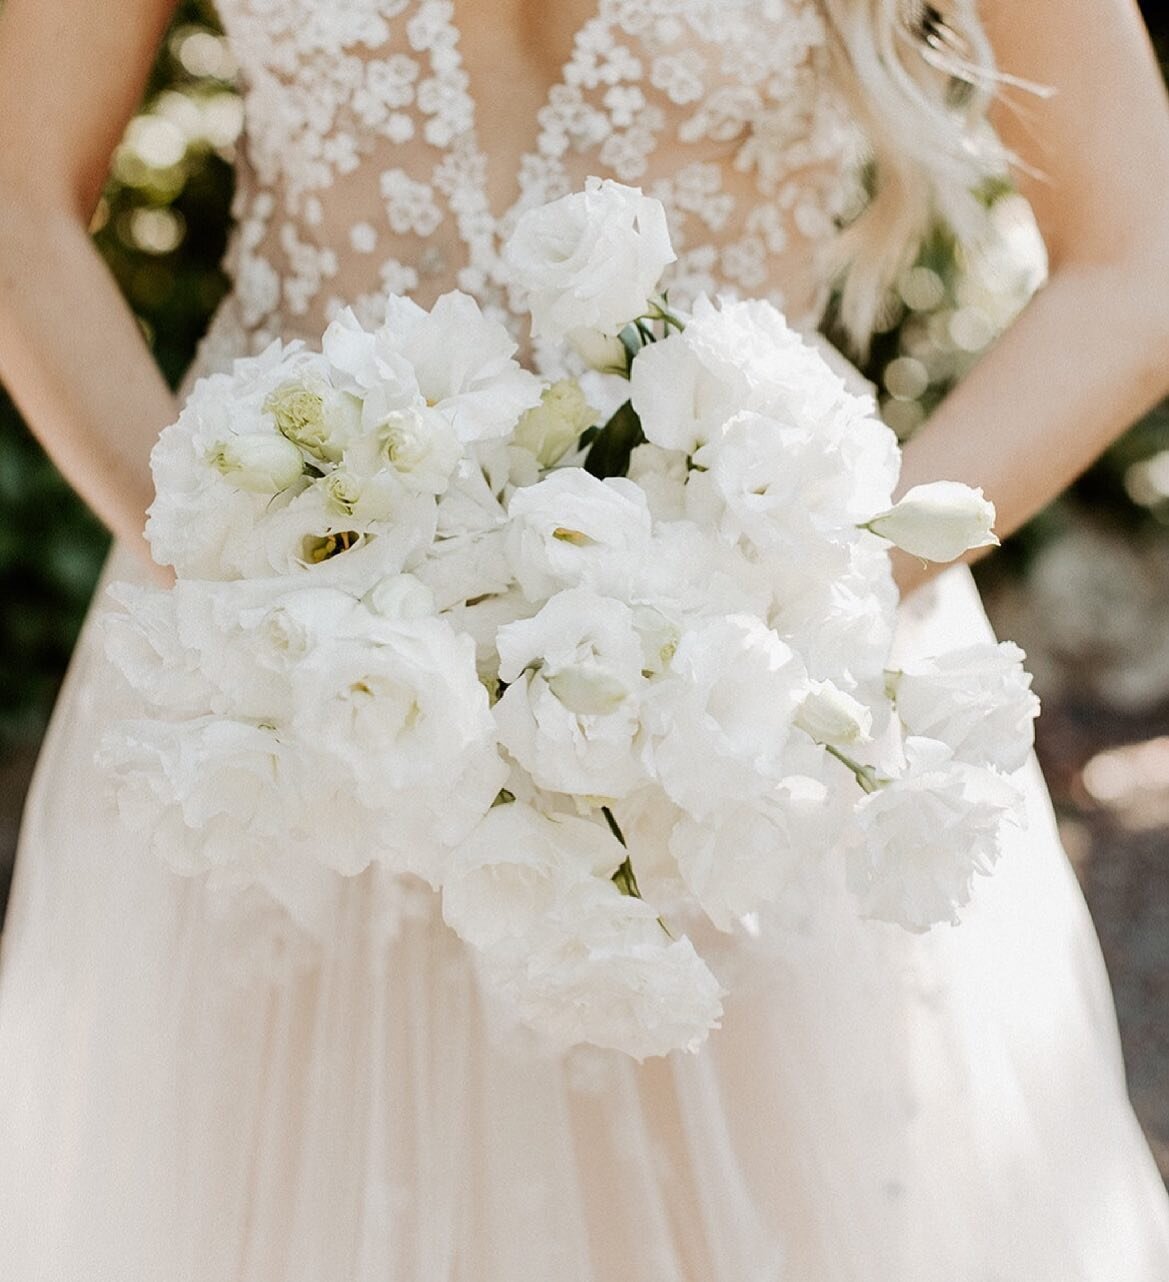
[(1109, 776)]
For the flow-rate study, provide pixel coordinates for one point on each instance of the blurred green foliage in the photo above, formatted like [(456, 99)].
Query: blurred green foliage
[(161, 226)]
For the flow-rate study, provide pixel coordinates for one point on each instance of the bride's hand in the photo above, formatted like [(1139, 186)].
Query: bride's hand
[(72, 354)]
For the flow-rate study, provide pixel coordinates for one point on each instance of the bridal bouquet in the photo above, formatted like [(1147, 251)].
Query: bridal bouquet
[(596, 679)]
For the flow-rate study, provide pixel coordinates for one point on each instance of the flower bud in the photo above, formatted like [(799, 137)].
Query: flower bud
[(549, 429), (258, 464), (421, 446), (401, 596), (830, 715), (366, 498), (587, 689), (599, 351), (318, 419), (938, 521)]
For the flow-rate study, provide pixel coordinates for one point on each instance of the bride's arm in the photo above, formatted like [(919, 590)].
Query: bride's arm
[(72, 355), (1090, 352)]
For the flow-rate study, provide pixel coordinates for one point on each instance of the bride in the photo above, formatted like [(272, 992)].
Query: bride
[(197, 1088)]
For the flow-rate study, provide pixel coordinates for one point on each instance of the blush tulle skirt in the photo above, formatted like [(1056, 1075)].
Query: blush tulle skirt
[(199, 1087)]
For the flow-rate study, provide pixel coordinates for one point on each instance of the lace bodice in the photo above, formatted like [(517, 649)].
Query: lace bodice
[(364, 168)]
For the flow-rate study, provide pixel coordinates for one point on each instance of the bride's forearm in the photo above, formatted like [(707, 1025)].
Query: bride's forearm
[(1086, 358), (74, 360)]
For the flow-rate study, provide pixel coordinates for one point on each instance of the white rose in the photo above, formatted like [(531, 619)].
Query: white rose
[(549, 429), (938, 521), (831, 715), (977, 700), (719, 721), (570, 524), (744, 855), (570, 713), (589, 260), (517, 863), (258, 464), (416, 444), (924, 836)]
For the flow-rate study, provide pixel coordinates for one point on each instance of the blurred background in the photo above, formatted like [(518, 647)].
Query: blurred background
[(1084, 588)]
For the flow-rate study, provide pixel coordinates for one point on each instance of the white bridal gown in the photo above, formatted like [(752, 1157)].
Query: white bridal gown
[(202, 1089)]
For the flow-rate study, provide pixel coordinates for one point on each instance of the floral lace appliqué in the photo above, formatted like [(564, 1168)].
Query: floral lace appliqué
[(362, 171)]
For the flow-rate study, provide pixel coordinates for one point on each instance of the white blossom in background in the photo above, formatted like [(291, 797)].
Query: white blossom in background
[(596, 676)]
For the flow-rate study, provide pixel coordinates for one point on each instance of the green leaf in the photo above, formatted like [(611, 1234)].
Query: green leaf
[(609, 453)]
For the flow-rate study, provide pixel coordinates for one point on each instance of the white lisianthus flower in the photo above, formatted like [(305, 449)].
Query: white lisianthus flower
[(680, 401), (550, 429), (315, 416), (338, 534), (719, 721), (938, 521), (836, 607), (789, 486), (516, 865), (925, 835), (831, 715), (241, 787), (744, 855), (977, 700), (570, 713), (201, 521), (662, 475), (590, 260), (570, 523), (397, 706), (462, 363), (142, 640), (600, 969)]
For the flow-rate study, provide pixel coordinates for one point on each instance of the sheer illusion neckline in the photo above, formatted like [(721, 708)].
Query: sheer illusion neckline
[(512, 166), (391, 146)]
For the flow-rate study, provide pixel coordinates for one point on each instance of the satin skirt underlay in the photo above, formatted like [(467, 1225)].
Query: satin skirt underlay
[(199, 1088)]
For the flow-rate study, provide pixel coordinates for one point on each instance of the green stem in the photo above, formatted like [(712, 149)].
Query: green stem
[(624, 878), (866, 776)]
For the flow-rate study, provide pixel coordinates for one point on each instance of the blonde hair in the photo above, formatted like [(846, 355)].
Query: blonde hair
[(918, 78)]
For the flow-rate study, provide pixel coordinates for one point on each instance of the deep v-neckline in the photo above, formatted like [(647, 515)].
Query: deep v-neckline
[(515, 166)]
